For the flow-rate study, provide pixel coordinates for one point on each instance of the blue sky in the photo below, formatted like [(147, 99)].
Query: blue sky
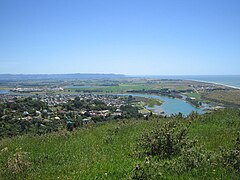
[(135, 37)]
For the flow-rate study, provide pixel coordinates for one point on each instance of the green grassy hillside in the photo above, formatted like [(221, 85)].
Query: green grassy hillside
[(110, 151)]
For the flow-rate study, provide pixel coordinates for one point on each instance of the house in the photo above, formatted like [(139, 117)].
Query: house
[(57, 118), (38, 113), (86, 120), (25, 113), (117, 114)]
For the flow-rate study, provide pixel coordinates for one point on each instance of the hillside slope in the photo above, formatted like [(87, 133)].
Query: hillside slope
[(108, 151)]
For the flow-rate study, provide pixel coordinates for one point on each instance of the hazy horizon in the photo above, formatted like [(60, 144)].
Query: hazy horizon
[(120, 74), (135, 37)]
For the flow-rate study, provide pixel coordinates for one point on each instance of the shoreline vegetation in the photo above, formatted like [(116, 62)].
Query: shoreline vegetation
[(152, 102)]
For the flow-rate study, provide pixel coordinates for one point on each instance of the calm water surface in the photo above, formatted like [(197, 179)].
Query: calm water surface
[(171, 105), (4, 91)]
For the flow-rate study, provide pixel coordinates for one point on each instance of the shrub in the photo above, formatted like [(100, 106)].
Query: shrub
[(231, 157), (18, 162), (192, 157), (163, 142), (173, 152), (146, 170)]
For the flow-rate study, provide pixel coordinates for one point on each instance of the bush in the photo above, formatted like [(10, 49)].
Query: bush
[(192, 157), (18, 163), (146, 170), (231, 157), (164, 142), (173, 152), (14, 163)]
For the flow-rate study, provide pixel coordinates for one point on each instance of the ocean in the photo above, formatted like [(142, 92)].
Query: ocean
[(233, 80), (228, 80)]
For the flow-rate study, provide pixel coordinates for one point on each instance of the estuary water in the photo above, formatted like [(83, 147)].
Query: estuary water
[(171, 105), (4, 91)]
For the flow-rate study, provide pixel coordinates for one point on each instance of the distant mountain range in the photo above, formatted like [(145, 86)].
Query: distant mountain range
[(59, 76)]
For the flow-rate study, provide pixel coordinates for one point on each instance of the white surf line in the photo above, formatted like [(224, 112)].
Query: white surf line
[(234, 87)]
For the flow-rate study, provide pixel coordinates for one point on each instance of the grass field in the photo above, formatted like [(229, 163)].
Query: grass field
[(106, 151), (113, 89), (194, 95), (231, 97)]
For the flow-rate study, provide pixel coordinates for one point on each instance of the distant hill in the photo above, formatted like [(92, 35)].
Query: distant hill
[(58, 76)]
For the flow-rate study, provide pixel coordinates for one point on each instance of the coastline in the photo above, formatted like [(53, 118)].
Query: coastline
[(234, 87)]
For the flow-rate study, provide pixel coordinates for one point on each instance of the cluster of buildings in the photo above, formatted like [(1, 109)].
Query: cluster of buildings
[(53, 100), (109, 100), (61, 99), (207, 87), (29, 90), (56, 99)]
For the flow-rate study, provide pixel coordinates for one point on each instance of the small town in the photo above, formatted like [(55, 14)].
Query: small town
[(51, 112)]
